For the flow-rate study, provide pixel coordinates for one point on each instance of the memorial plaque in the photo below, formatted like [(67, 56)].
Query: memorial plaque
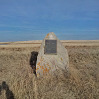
[(50, 47)]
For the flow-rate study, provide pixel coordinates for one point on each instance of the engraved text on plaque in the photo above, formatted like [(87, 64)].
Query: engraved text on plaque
[(50, 47)]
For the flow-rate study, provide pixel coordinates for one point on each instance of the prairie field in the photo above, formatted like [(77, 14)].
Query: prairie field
[(17, 80)]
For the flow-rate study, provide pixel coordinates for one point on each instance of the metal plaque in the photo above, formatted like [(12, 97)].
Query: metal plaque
[(50, 47)]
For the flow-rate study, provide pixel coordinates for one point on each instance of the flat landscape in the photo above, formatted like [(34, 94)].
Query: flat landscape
[(17, 80)]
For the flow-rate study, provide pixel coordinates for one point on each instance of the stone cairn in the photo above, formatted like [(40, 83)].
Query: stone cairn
[(52, 57)]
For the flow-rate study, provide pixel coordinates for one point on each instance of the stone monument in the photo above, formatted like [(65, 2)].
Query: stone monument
[(52, 56)]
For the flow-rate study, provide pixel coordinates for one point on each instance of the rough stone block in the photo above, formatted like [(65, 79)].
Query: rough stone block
[(52, 56)]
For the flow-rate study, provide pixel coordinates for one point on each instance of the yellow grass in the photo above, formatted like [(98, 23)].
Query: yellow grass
[(81, 82)]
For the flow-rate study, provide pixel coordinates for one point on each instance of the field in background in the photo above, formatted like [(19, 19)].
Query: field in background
[(17, 78)]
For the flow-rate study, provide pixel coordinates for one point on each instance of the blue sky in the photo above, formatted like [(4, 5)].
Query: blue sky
[(32, 19)]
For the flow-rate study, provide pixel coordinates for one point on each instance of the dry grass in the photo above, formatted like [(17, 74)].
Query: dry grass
[(82, 82)]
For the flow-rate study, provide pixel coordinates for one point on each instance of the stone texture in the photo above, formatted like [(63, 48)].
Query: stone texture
[(48, 64)]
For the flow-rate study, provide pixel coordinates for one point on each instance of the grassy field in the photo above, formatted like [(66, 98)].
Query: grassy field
[(17, 80)]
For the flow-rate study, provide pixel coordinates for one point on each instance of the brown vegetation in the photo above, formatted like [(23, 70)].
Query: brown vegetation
[(82, 82)]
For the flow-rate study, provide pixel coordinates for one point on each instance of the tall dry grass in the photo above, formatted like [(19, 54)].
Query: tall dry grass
[(82, 82)]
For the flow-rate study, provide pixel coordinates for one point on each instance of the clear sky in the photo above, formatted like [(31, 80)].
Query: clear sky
[(33, 19)]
